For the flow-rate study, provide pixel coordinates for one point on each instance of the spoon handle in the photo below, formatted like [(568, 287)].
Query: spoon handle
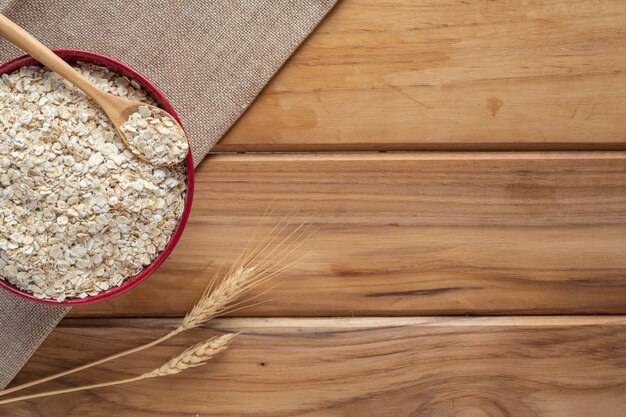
[(25, 41)]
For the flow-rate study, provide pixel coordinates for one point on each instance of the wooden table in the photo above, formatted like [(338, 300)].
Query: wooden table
[(485, 280)]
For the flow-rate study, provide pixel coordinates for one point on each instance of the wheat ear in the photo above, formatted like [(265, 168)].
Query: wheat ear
[(194, 356), (251, 269)]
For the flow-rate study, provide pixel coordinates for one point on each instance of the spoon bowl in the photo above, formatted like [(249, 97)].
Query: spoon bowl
[(121, 109)]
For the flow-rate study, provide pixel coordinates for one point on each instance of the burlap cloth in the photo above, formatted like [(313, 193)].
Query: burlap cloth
[(210, 58)]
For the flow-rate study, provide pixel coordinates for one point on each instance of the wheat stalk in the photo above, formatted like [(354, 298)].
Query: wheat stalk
[(253, 268), (196, 355)]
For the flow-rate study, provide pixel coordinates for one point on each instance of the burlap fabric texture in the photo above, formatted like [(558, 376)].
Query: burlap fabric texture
[(210, 58)]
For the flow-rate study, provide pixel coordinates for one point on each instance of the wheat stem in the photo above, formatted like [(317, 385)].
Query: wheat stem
[(68, 390), (196, 355), (89, 365)]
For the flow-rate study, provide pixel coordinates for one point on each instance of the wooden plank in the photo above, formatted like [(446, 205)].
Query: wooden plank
[(432, 74), (550, 367), (410, 234)]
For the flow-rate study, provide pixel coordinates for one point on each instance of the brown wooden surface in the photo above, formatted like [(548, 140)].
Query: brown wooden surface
[(404, 234), (494, 367), (449, 74)]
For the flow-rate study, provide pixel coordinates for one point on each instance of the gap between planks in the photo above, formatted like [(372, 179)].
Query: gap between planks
[(361, 322), (419, 155)]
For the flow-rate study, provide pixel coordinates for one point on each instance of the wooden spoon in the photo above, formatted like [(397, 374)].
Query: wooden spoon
[(118, 109)]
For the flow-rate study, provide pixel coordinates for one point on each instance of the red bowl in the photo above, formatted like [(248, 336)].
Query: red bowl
[(71, 56)]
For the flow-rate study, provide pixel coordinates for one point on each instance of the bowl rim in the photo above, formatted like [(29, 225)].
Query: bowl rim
[(73, 55)]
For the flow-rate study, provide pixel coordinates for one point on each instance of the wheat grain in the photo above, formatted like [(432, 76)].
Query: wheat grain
[(214, 302), (194, 356)]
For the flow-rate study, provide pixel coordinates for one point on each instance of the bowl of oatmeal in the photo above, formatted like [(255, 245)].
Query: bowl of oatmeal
[(81, 218)]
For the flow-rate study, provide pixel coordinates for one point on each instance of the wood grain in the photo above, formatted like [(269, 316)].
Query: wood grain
[(432, 74), (407, 234), (491, 367), (403, 234)]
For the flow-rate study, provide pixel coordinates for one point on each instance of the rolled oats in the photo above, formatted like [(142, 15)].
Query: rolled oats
[(78, 212)]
